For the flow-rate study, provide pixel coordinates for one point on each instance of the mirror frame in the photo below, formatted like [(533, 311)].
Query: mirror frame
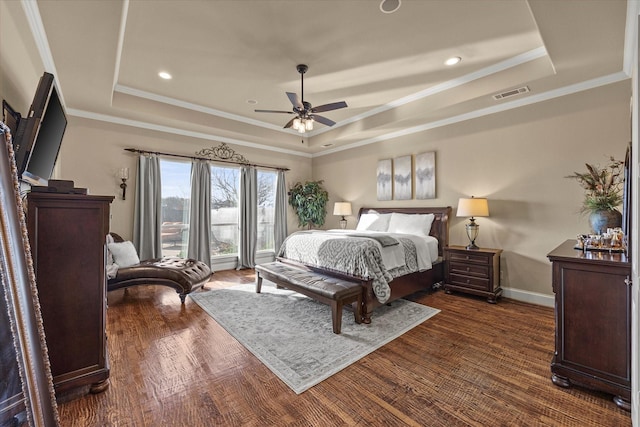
[(21, 296)]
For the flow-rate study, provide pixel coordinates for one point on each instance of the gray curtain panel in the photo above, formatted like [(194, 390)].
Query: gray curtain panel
[(280, 220), (147, 219), (199, 246), (248, 217)]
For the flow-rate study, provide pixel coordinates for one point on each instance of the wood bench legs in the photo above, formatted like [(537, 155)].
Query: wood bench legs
[(335, 292)]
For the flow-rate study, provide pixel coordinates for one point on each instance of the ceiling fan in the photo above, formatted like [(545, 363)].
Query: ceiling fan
[(305, 113)]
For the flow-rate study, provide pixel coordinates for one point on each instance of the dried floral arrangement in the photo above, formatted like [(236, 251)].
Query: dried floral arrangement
[(603, 186)]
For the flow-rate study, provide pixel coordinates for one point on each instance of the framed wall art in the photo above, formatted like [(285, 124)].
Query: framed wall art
[(425, 175), (383, 179), (402, 183)]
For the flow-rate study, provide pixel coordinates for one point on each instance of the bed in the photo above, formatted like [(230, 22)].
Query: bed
[(401, 281)]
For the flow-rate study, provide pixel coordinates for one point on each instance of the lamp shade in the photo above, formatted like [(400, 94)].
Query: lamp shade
[(473, 207), (342, 208)]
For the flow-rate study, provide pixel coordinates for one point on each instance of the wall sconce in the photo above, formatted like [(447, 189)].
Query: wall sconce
[(472, 207), (124, 176), (342, 209)]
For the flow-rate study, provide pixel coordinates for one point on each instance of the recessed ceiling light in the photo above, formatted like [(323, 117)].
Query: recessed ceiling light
[(389, 6), (453, 60), (252, 101), (165, 75)]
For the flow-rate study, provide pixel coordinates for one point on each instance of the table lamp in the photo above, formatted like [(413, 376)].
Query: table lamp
[(472, 207), (342, 209)]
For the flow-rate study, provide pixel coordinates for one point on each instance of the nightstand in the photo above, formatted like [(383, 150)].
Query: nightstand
[(474, 271)]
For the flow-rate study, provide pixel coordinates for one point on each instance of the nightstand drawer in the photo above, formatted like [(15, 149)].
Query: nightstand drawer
[(470, 269), (469, 282), (467, 258), (474, 271)]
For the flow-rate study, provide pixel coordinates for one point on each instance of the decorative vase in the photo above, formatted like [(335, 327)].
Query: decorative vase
[(601, 220)]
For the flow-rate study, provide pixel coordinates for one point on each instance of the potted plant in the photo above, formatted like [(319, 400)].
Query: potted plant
[(310, 203), (603, 194)]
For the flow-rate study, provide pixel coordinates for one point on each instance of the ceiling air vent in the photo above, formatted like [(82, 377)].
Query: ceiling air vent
[(510, 93)]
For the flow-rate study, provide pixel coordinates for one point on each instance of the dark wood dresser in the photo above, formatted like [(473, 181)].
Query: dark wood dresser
[(67, 236), (593, 321), (474, 271)]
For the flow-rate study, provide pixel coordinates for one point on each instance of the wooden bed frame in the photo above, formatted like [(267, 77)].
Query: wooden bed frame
[(403, 285)]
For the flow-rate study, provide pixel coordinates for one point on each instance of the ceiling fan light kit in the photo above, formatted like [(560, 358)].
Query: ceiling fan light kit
[(304, 111), (302, 125)]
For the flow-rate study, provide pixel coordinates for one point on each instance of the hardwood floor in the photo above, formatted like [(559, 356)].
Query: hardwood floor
[(472, 364)]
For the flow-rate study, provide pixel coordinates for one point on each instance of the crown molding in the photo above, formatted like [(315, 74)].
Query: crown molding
[(533, 99), (630, 36), (42, 42), (175, 131), (442, 87), (194, 107), (120, 46)]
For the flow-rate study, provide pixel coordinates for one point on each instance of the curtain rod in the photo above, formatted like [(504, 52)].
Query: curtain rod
[(184, 156)]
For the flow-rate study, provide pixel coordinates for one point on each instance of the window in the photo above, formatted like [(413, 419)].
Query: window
[(176, 196), (225, 212), (266, 209), (225, 190)]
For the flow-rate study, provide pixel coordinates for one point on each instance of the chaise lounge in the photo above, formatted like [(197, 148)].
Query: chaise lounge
[(182, 274)]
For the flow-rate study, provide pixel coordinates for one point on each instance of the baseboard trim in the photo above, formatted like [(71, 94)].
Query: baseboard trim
[(231, 262), (530, 297)]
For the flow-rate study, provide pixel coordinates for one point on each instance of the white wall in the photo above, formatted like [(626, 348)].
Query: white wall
[(93, 151), (518, 160)]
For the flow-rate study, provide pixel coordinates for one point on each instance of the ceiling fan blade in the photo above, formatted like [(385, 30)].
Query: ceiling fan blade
[(323, 120), (293, 97), (273, 111), (289, 123), (329, 107)]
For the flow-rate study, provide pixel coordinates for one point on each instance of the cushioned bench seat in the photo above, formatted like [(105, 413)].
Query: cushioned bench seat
[(323, 288)]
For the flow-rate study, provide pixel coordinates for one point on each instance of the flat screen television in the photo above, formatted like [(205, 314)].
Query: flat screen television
[(39, 135)]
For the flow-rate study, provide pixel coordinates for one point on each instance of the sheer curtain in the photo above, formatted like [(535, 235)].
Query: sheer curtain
[(248, 217), (147, 220), (199, 246), (280, 220)]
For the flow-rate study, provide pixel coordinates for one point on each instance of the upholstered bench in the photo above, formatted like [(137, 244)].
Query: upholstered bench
[(182, 274), (323, 288)]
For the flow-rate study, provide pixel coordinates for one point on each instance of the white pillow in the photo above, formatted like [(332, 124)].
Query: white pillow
[(124, 254), (109, 239), (416, 224), (373, 222), (365, 221)]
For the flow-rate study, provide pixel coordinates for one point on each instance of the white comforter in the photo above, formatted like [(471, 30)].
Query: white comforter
[(354, 253), (393, 256)]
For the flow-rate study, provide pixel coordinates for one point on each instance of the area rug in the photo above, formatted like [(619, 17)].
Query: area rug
[(292, 334)]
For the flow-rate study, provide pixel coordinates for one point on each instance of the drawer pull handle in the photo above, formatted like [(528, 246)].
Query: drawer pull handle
[(467, 281), (467, 268), (467, 257)]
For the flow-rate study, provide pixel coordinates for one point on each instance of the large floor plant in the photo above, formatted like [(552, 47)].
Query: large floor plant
[(310, 203)]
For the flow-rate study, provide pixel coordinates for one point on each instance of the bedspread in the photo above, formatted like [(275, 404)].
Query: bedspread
[(358, 256)]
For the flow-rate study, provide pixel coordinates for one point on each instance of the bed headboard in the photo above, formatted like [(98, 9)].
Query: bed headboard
[(439, 228)]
